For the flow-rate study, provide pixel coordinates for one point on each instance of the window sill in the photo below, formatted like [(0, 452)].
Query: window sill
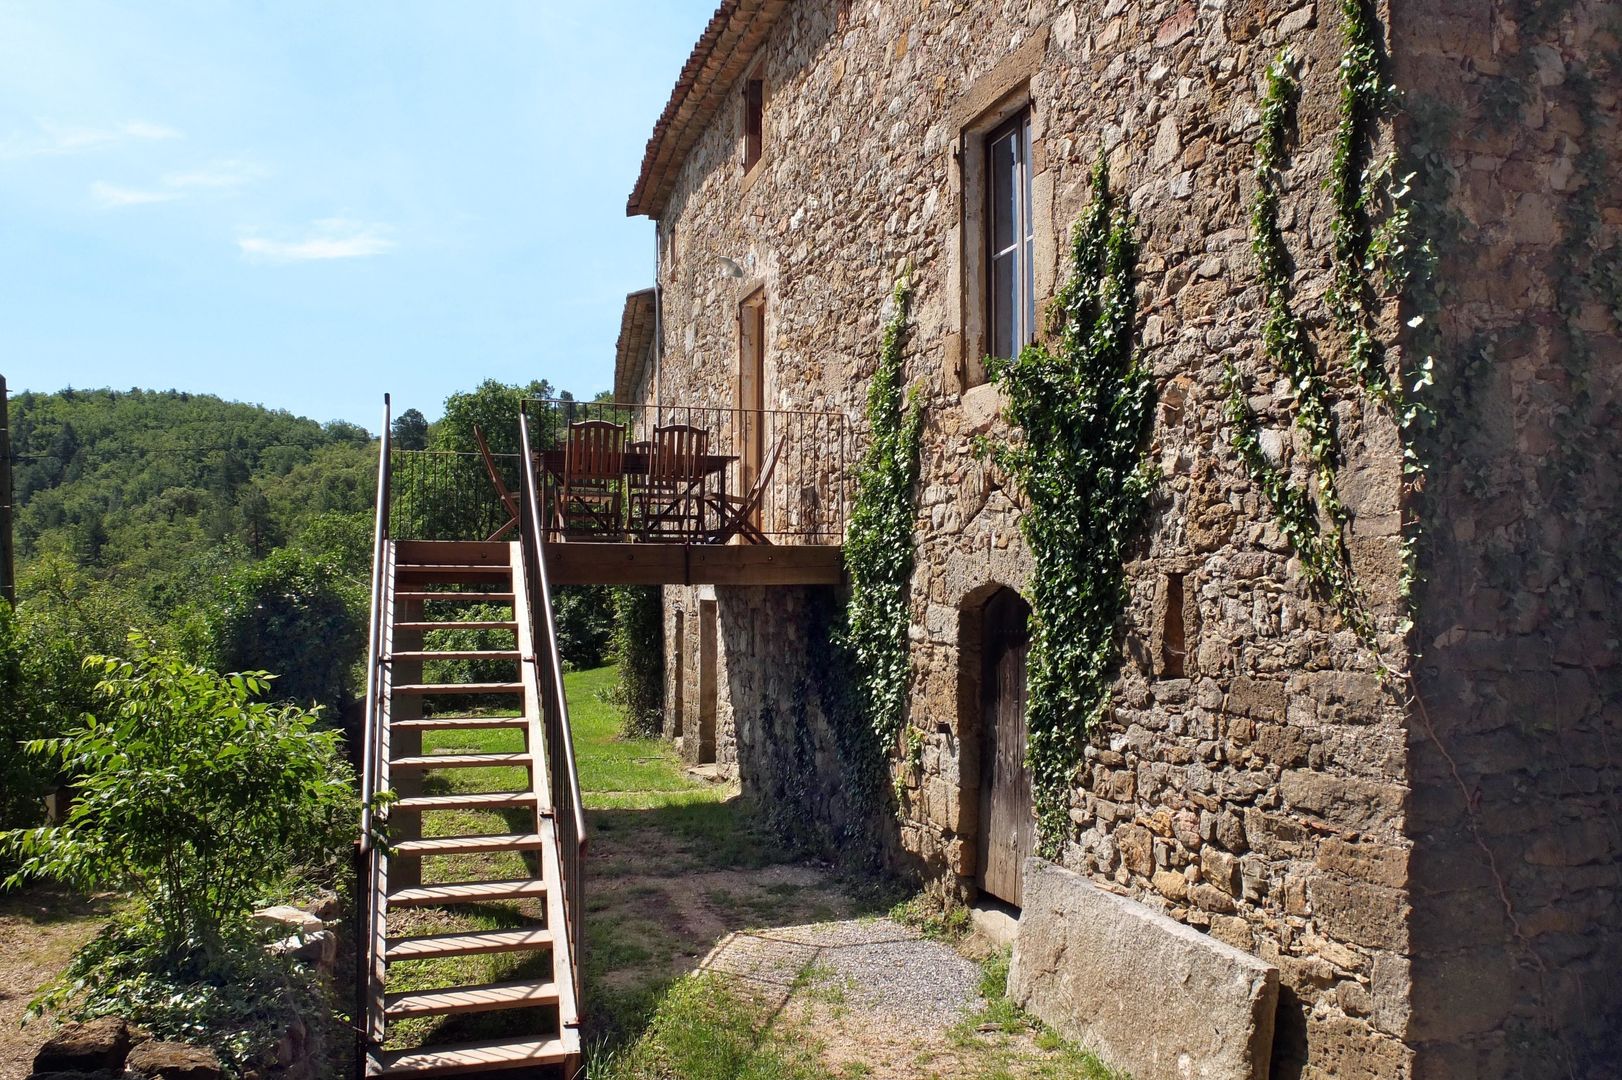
[(751, 174)]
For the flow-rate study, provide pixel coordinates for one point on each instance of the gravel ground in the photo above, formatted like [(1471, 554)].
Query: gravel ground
[(880, 967)]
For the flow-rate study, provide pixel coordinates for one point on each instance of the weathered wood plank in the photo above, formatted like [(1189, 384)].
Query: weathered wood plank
[(694, 564), (450, 552)]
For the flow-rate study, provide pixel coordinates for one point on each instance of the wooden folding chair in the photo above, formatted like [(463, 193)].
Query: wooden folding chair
[(508, 499), (739, 514), (593, 478), (667, 498)]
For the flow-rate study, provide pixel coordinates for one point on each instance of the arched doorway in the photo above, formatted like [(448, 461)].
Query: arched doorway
[(1007, 820)]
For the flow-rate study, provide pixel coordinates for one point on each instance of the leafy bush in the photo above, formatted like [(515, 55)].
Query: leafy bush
[(238, 999), (585, 622), (43, 688), (295, 614), (191, 794), (639, 650)]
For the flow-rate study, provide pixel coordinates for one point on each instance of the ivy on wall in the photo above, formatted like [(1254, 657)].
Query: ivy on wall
[(1317, 543), (879, 550), (1365, 97), (1374, 240), (1084, 408)]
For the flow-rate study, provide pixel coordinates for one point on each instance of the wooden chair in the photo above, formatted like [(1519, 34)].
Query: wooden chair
[(738, 514), (667, 499), (508, 499), (593, 479)]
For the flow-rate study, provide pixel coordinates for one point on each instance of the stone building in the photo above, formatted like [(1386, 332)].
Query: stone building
[(1437, 877)]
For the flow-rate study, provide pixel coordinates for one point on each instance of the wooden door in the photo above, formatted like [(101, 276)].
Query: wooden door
[(751, 388), (1007, 820)]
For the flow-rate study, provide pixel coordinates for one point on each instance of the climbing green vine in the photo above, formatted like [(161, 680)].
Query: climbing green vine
[(879, 550), (1323, 558), (1282, 333), (1365, 96), (1361, 250), (1084, 409)]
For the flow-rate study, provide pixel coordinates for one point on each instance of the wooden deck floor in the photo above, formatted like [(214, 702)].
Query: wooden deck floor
[(693, 564)]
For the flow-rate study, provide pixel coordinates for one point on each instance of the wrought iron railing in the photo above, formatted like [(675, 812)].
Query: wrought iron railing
[(797, 460), (446, 495)]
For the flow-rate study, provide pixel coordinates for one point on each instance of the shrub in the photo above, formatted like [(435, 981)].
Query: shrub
[(191, 794), (298, 615), (639, 650), (585, 622), (238, 999), (43, 689)]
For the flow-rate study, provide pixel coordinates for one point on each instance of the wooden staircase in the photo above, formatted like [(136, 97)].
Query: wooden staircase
[(419, 587)]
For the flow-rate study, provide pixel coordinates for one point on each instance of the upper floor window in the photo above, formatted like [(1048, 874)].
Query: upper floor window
[(1010, 238), (754, 121)]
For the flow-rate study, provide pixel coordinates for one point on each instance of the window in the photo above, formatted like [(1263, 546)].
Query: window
[(1010, 239), (754, 121)]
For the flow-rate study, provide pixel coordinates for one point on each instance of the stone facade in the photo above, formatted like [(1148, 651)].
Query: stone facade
[(1438, 886)]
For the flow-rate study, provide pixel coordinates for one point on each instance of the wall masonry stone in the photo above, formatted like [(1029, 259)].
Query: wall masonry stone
[(1391, 862), (1085, 960)]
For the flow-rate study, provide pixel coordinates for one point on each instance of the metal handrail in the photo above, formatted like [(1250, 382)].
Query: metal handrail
[(569, 819), (368, 857)]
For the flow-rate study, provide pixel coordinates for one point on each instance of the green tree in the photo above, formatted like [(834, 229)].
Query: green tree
[(409, 431), (191, 794), (295, 614), (492, 405), (639, 650)]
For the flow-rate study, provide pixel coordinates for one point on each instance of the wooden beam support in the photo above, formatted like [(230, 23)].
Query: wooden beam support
[(574, 563)]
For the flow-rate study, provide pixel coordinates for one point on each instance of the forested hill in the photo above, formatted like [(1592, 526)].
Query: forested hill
[(148, 488)]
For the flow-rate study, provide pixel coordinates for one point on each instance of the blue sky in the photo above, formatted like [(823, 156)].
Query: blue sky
[(305, 203)]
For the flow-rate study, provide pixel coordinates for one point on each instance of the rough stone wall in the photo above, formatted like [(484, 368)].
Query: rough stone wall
[(1517, 809), (1263, 793)]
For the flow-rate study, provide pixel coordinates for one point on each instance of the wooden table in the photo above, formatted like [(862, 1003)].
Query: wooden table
[(635, 464)]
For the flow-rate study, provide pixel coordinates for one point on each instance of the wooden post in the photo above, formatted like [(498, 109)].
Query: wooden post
[(8, 566)]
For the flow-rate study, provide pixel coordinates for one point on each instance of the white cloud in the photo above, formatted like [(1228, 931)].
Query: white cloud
[(329, 238), (111, 196), (215, 176), (218, 176), (51, 139)]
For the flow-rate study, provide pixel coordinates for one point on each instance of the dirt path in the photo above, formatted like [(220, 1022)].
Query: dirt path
[(40, 930)]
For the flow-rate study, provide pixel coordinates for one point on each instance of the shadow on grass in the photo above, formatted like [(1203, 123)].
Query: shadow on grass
[(47, 903), (666, 883)]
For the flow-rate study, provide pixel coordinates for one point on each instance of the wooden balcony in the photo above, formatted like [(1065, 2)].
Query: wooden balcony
[(642, 495)]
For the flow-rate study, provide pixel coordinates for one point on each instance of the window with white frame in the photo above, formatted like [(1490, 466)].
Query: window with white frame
[(1010, 238)]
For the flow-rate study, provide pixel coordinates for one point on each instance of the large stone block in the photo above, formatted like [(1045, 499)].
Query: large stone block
[(1149, 995)]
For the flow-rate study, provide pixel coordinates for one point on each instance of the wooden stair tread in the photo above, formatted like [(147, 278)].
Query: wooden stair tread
[(458, 654), (434, 723), (456, 597), (471, 845), (464, 891), (460, 761), (418, 568), (470, 1057), (469, 944), (458, 551), (481, 800), (465, 999), (475, 624), (419, 689)]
